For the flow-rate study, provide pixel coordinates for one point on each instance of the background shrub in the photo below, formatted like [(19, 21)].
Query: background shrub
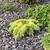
[(24, 27), (39, 13), (28, 1), (8, 7), (49, 23), (23, 1)]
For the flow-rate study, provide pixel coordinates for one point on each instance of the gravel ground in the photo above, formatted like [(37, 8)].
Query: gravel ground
[(6, 39)]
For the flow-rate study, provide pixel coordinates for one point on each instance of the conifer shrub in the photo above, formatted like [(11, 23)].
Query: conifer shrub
[(8, 7), (46, 41), (24, 27), (39, 13)]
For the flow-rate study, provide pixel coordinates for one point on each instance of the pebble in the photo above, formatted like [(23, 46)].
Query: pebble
[(6, 47), (1, 19), (13, 49), (10, 42), (2, 31), (13, 46)]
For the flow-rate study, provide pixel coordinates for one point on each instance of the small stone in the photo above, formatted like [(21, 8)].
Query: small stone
[(13, 49), (21, 7), (13, 46), (4, 39), (5, 14), (10, 42), (26, 48), (1, 19), (6, 47), (20, 48), (2, 31)]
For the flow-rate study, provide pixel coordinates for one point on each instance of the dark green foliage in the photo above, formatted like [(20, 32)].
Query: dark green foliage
[(39, 13), (24, 27), (8, 7), (23, 1), (28, 1), (35, 1), (46, 41)]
